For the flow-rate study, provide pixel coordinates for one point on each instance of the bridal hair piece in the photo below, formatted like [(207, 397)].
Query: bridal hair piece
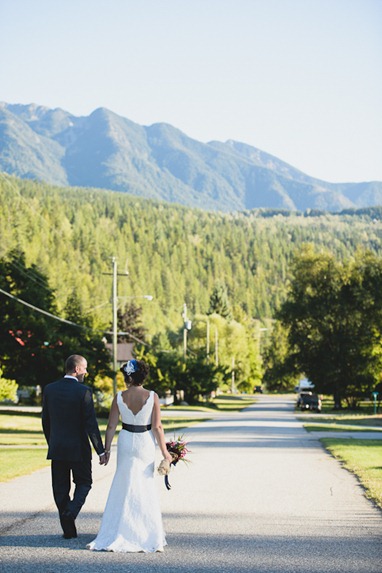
[(130, 367)]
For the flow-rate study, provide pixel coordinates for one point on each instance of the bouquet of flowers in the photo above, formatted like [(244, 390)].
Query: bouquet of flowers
[(178, 451)]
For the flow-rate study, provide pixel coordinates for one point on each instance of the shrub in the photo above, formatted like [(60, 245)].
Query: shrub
[(8, 390)]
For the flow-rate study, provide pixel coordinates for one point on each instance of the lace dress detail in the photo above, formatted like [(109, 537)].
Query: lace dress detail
[(132, 519)]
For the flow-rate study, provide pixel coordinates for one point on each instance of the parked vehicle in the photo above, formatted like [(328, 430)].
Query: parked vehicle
[(258, 389), (304, 385), (309, 401)]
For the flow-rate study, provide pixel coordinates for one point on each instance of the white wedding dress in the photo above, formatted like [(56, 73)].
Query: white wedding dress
[(132, 519)]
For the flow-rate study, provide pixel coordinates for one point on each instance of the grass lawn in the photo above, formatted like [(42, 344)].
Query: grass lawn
[(221, 403), (364, 459), (21, 429), (339, 427), (362, 419), (15, 462)]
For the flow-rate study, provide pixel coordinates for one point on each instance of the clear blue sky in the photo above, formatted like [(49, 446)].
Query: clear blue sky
[(300, 79)]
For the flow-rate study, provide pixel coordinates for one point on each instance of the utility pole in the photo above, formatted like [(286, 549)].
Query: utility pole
[(115, 340), (114, 301), (208, 340), (216, 347), (186, 327)]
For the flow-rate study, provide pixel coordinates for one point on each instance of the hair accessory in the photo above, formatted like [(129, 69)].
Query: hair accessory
[(130, 367)]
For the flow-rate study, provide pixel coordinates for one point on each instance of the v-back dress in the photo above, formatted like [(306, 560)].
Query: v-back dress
[(132, 519)]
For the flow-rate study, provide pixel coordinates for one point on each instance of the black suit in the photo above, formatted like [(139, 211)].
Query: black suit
[(69, 420)]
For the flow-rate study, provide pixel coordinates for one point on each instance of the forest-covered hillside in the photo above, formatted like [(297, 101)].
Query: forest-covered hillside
[(176, 254)]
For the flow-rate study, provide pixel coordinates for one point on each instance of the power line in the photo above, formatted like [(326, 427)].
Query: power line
[(29, 274), (39, 280), (42, 311), (129, 334), (67, 321)]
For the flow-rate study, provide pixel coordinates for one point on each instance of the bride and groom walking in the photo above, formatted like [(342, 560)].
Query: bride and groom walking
[(132, 519)]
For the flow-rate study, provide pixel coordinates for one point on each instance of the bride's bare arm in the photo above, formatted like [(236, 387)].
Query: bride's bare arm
[(111, 427), (157, 428)]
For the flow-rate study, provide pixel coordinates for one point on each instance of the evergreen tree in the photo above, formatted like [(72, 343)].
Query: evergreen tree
[(219, 301), (130, 320), (34, 344)]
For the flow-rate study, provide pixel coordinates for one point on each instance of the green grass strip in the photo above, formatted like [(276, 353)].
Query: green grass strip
[(16, 462), (328, 427), (362, 458)]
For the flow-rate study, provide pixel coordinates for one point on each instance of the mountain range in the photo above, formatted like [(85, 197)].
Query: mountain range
[(107, 151)]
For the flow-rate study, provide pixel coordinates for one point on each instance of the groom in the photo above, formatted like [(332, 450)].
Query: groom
[(69, 420)]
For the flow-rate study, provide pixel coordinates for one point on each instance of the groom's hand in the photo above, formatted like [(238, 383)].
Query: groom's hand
[(104, 458)]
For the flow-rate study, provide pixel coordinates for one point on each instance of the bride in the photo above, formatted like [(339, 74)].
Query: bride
[(132, 519)]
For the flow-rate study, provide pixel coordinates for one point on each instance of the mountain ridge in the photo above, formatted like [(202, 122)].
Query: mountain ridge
[(106, 150)]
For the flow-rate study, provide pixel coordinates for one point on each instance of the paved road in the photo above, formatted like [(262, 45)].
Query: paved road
[(261, 496)]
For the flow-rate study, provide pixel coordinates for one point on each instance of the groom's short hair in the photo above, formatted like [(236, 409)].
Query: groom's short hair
[(73, 361)]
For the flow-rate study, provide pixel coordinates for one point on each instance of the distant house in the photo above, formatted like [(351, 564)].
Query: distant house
[(124, 351)]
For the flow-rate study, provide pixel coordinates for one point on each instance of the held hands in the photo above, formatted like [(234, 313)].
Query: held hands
[(104, 458)]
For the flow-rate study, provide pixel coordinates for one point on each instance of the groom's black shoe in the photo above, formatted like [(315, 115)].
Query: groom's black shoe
[(68, 525)]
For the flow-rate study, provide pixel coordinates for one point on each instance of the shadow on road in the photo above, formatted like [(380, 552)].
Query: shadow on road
[(227, 553)]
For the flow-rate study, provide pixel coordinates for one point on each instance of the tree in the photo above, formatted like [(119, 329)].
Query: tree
[(279, 373), (219, 301), (83, 339), (130, 320), (334, 315), (30, 344), (8, 389), (169, 372), (196, 378), (34, 345)]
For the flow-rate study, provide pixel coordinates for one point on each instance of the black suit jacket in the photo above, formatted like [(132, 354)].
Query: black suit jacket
[(69, 420)]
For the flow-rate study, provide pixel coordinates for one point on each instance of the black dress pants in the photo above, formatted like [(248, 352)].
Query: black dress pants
[(62, 471)]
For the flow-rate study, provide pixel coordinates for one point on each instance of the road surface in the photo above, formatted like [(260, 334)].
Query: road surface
[(261, 495)]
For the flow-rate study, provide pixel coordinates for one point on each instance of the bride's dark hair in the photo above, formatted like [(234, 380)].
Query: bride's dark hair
[(138, 377)]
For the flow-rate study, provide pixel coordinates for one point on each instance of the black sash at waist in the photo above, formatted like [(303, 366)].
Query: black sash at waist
[(136, 429)]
